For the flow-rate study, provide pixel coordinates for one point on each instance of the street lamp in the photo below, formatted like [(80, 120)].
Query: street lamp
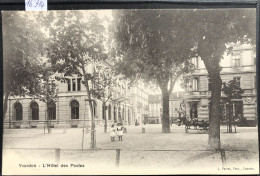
[(92, 134)]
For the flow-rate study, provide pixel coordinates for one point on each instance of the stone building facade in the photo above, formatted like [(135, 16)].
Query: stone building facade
[(239, 65), (139, 100), (70, 108)]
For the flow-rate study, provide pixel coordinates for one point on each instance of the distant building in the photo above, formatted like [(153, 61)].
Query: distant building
[(176, 107), (139, 99), (239, 65), (155, 109)]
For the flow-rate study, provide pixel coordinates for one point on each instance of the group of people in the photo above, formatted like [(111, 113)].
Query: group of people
[(116, 130)]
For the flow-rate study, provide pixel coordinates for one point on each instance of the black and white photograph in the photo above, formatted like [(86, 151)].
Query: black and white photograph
[(130, 91)]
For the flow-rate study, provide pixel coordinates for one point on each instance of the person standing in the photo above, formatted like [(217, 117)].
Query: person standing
[(120, 132), (112, 132)]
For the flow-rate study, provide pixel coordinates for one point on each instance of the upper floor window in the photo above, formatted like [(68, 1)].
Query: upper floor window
[(195, 84), (79, 83), (236, 59), (195, 61), (236, 62), (74, 84), (69, 84)]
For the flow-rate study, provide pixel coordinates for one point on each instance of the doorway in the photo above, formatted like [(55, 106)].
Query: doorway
[(194, 110)]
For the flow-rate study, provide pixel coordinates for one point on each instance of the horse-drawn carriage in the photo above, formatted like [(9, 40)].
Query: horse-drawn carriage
[(197, 125)]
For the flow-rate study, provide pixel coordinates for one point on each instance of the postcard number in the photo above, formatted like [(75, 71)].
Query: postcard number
[(35, 5)]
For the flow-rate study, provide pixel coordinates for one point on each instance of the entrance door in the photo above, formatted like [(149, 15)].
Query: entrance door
[(194, 110)]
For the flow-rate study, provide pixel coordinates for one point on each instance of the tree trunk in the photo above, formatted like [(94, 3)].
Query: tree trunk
[(214, 116), (213, 68), (104, 117), (165, 119), (5, 102)]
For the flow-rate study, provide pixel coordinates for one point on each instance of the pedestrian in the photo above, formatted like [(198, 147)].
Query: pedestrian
[(179, 121), (136, 123), (112, 132), (120, 132)]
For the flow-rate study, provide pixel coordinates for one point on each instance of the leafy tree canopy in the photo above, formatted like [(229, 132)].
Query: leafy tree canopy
[(75, 41), (104, 81), (232, 90), (152, 47), (23, 48)]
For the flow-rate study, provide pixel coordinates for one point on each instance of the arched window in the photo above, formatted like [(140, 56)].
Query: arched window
[(51, 110), (18, 110), (109, 112), (74, 104), (195, 83), (34, 111)]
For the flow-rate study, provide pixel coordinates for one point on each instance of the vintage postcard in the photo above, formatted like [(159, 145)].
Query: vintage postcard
[(134, 91)]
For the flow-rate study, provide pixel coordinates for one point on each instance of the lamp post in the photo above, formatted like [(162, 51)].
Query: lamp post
[(93, 131)]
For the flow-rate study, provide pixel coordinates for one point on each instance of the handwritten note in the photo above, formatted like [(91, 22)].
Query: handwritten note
[(35, 5)]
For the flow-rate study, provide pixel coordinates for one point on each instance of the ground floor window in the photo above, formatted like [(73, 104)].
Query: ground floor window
[(74, 109), (51, 111), (18, 110), (35, 111)]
